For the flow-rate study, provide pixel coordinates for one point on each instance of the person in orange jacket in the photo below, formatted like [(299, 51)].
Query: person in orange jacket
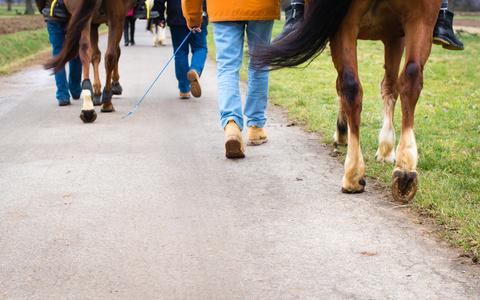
[(230, 23)]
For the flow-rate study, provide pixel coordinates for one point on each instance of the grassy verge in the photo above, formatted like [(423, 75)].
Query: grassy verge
[(447, 127), (21, 48), (18, 48)]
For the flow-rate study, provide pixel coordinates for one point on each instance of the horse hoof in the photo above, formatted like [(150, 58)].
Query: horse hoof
[(107, 107), (117, 88), (404, 185), (97, 99), (88, 116), (355, 190)]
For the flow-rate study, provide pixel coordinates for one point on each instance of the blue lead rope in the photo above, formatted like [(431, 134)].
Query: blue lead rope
[(135, 107)]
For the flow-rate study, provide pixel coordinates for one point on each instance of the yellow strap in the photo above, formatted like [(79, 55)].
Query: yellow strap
[(148, 9), (51, 7)]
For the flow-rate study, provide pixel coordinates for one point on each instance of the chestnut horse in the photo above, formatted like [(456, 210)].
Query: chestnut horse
[(82, 39), (400, 25)]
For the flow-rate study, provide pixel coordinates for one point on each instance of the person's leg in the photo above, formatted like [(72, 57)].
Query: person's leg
[(198, 44), (229, 39), (443, 33), (258, 32), (132, 30), (293, 19), (75, 77), (56, 32), (125, 31), (178, 34)]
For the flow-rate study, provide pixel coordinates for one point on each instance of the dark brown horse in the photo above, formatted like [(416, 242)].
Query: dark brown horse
[(82, 39), (399, 24)]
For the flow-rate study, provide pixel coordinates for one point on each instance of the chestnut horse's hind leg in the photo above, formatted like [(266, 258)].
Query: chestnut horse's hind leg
[(418, 37), (340, 138), (96, 57), (88, 114), (393, 56), (112, 56), (344, 56), (116, 87)]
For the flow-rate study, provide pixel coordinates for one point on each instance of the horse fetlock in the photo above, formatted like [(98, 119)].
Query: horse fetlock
[(97, 99), (107, 107), (353, 186), (388, 158), (342, 141), (404, 185)]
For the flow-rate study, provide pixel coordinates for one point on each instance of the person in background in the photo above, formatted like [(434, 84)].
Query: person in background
[(230, 23), (129, 29), (57, 29), (443, 33), (188, 74)]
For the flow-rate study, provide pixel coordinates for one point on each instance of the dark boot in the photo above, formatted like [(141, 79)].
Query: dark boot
[(293, 21), (59, 10), (443, 33), (140, 11)]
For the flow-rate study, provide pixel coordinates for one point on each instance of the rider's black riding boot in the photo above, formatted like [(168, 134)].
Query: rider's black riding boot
[(443, 33), (140, 11), (59, 10), (293, 20)]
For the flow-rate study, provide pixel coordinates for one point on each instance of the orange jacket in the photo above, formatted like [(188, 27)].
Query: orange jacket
[(231, 10)]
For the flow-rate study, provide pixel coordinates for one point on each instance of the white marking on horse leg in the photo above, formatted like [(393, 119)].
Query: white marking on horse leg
[(354, 166), (407, 155), (87, 100), (386, 138)]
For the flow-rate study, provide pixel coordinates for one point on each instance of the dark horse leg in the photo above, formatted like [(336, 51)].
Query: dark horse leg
[(115, 31), (96, 58)]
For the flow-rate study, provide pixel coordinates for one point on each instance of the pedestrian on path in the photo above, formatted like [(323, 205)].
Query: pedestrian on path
[(129, 29), (187, 73), (230, 22), (57, 29)]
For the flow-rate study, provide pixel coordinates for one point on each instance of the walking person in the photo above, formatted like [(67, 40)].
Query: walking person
[(129, 29), (187, 73), (57, 29), (230, 24)]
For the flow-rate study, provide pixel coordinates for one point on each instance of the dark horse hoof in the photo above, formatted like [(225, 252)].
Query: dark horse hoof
[(404, 186), (88, 116), (117, 88), (97, 99)]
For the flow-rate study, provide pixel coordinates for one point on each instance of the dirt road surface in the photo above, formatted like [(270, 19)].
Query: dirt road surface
[(148, 207)]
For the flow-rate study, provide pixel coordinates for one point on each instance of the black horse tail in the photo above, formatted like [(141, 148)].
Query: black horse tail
[(321, 22), (77, 23)]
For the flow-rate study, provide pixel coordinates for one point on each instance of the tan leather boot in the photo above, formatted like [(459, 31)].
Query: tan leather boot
[(195, 87), (256, 136), (233, 141)]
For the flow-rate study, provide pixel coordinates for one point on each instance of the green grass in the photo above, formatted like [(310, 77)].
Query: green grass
[(15, 7), (447, 127), (18, 48)]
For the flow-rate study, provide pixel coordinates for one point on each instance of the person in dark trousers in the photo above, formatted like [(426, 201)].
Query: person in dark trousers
[(187, 73), (442, 34), (129, 29), (57, 29)]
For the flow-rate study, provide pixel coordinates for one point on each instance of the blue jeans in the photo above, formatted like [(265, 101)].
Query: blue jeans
[(56, 32), (229, 39), (198, 45)]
